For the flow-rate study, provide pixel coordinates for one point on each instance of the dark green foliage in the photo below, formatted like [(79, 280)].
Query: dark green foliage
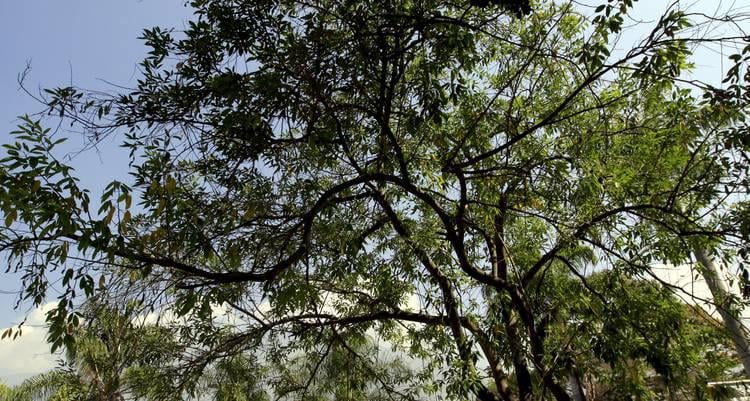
[(517, 7)]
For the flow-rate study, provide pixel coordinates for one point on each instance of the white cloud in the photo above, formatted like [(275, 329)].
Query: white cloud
[(28, 354)]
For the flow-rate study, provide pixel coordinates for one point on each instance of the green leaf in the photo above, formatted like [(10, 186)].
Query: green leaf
[(10, 217)]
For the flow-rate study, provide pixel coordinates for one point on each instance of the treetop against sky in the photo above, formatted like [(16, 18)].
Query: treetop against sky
[(482, 160), (82, 43)]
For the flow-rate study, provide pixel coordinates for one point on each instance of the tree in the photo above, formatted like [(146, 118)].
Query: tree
[(115, 359), (56, 385), (100, 364), (411, 168), (725, 306), (345, 369), (635, 339), (5, 392)]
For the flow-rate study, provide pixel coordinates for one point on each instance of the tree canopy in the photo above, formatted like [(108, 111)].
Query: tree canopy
[(113, 350), (443, 175)]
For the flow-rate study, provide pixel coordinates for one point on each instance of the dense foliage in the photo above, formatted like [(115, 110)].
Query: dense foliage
[(444, 176), (112, 348)]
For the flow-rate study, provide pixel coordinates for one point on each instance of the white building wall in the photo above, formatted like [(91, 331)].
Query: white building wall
[(690, 286)]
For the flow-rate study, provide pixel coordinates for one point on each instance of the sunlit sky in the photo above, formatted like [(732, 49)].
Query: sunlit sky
[(88, 42)]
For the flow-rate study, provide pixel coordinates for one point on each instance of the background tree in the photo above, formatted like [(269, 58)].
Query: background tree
[(349, 368), (5, 392), (635, 339), (110, 347), (415, 168), (61, 384)]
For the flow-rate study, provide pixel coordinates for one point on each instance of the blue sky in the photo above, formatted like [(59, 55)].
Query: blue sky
[(78, 41)]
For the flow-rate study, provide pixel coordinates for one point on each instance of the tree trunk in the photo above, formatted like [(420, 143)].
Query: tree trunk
[(575, 387), (722, 299)]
